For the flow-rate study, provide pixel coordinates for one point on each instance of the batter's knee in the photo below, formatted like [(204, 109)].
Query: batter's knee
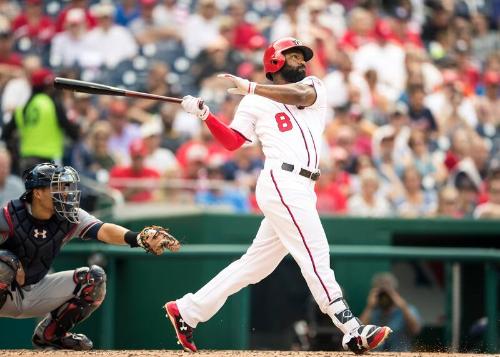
[(90, 284)]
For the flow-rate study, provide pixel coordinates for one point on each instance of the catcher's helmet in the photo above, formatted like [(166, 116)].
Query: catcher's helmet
[(63, 183), (274, 59)]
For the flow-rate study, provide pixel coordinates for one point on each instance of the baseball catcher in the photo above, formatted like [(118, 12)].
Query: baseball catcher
[(33, 230)]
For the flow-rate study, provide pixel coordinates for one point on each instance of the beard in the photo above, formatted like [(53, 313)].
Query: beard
[(293, 74)]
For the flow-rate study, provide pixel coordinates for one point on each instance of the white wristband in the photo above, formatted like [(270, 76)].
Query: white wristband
[(251, 87)]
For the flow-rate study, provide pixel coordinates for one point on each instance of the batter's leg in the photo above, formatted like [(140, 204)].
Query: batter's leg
[(293, 215), (261, 258)]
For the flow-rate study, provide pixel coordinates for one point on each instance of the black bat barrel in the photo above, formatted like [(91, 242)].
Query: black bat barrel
[(87, 87)]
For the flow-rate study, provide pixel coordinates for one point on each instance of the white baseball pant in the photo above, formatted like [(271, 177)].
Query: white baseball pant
[(291, 225)]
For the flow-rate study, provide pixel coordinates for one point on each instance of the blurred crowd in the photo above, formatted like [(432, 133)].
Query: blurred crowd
[(413, 89)]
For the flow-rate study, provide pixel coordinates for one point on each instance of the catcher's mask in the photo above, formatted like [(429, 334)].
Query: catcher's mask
[(63, 183)]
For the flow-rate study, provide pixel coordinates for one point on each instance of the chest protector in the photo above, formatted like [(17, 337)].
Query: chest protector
[(36, 243)]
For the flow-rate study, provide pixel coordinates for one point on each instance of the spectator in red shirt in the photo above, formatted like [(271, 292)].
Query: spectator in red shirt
[(361, 30), (147, 178), (81, 4), (401, 31), (33, 23), (244, 32), (333, 186)]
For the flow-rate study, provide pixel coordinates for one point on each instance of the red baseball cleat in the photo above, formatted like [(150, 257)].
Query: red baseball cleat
[(183, 331), (365, 338)]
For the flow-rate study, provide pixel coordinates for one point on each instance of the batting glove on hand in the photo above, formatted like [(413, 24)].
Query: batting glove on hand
[(243, 86), (195, 106)]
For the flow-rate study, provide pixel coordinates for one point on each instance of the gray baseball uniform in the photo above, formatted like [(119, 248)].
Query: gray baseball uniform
[(54, 289)]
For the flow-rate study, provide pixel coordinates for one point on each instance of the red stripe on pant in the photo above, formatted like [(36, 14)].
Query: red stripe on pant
[(301, 235)]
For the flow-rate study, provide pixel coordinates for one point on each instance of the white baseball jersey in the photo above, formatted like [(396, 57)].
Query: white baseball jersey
[(287, 133)]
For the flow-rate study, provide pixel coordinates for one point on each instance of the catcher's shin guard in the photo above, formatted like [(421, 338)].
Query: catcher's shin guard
[(183, 331), (90, 290), (9, 264)]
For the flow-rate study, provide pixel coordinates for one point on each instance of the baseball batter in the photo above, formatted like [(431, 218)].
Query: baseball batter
[(288, 118), (33, 229)]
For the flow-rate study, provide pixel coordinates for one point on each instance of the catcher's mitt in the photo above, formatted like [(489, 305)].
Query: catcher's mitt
[(155, 239)]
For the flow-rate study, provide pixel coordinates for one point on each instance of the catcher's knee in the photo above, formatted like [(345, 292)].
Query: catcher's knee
[(90, 284), (9, 264)]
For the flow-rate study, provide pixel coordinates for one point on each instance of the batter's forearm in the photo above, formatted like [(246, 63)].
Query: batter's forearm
[(228, 137), (293, 94)]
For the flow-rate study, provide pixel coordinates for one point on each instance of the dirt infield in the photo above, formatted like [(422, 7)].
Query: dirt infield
[(167, 353)]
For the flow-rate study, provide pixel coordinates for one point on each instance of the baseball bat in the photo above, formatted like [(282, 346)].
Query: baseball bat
[(102, 89)]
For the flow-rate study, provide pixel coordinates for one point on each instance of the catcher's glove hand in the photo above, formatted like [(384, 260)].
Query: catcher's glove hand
[(155, 239)]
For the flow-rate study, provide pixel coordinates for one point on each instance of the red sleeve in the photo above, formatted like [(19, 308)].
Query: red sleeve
[(227, 136)]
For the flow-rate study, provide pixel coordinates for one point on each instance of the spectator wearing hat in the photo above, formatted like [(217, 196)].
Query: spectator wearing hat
[(136, 181), (123, 133), (163, 160), (41, 123), (147, 30), (34, 24), (79, 4), (69, 47), (108, 42)]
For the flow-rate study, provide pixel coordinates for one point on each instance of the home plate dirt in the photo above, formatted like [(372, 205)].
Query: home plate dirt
[(167, 353)]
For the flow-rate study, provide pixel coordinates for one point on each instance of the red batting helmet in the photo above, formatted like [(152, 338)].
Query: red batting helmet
[(274, 59)]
